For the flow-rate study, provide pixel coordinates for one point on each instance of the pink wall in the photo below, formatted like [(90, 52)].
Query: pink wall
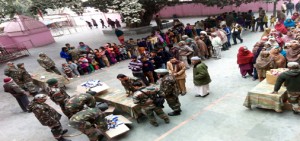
[(27, 32), (186, 10), (6, 41)]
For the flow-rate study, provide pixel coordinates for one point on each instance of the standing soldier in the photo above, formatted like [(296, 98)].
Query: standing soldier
[(47, 63), (127, 83), (12, 71), (90, 122), (25, 77), (76, 103), (11, 87), (57, 94), (47, 116), (146, 98), (170, 88), (291, 79)]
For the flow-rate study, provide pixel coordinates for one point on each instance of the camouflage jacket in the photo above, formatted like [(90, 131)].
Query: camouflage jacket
[(169, 86), (128, 85), (14, 73), (76, 103), (90, 115), (24, 75), (45, 114), (46, 62), (14, 89), (145, 96), (57, 95)]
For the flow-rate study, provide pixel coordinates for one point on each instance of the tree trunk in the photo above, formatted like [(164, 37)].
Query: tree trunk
[(274, 8), (146, 19)]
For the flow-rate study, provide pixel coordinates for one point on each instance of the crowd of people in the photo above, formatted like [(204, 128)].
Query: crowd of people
[(110, 23), (279, 47), (159, 63)]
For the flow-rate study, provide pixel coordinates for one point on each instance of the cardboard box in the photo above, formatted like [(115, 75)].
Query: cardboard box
[(271, 79), (121, 129)]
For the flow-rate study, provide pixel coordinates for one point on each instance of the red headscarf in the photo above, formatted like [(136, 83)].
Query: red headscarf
[(244, 56), (280, 28)]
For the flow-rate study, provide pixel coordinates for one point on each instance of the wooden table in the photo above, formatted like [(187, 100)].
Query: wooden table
[(260, 96), (120, 101), (97, 89), (41, 82)]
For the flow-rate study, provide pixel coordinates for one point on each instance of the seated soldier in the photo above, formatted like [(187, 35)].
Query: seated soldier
[(76, 103), (91, 122), (147, 98), (127, 83)]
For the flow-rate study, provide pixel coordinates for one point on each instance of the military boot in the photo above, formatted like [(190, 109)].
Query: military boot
[(174, 113), (167, 120), (154, 124), (63, 139), (100, 137), (64, 131)]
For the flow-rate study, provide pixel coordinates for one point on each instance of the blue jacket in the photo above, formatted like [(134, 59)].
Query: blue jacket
[(65, 55), (289, 23), (227, 30)]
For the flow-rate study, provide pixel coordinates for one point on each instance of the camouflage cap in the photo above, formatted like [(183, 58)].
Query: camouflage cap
[(52, 82), (19, 65), (93, 93), (161, 71)]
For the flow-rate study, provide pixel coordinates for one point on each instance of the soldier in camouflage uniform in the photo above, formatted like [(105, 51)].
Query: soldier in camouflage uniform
[(21, 96), (170, 88), (47, 116), (91, 122), (76, 103), (12, 72), (25, 77), (127, 83), (47, 63), (57, 94), (144, 97)]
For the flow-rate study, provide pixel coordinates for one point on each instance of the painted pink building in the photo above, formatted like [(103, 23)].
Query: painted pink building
[(26, 32), (187, 10)]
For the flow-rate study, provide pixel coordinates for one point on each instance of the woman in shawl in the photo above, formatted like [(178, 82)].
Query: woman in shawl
[(272, 41), (264, 62), (288, 37), (244, 60), (295, 16), (266, 32), (202, 47), (293, 52), (288, 23), (258, 47), (280, 61), (280, 28)]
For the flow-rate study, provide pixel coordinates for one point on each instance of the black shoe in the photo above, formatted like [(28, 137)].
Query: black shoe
[(174, 113), (244, 76), (242, 41), (167, 120), (63, 139), (64, 131), (198, 95), (154, 124), (100, 137), (205, 95), (183, 93)]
